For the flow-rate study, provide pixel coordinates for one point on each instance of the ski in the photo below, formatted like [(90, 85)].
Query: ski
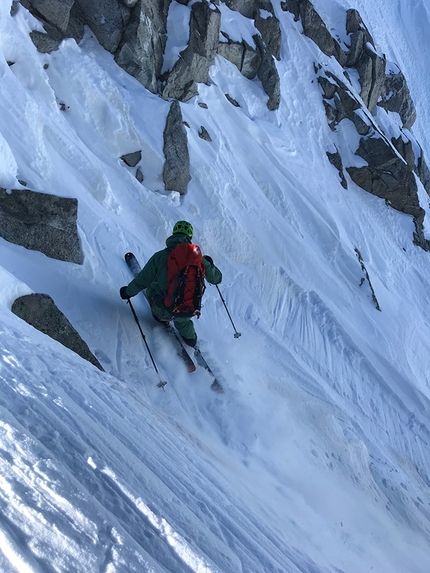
[(188, 361), (216, 386), (134, 266)]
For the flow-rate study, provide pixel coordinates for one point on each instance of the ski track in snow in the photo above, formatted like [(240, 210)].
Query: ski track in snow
[(316, 457)]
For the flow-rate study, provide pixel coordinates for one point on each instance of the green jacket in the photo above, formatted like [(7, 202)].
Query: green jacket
[(153, 276)]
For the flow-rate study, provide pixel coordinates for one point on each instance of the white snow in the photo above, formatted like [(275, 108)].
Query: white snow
[(316, 457)]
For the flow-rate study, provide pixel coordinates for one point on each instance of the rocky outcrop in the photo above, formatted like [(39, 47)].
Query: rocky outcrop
[(135, 31), (340, 103), (194, 62), (41, 312), (132, 159), (140, 51), (315, 28), (247, 8), (371, 72), (362, 54), (60, 18), (396, 97), (336, 160), (176, 170), (391, 165), (57, 12), (41, 222), (242, 55), (255, 62), (268, 75), (388, 176), (268, 26), (107, 19), (359, 36)]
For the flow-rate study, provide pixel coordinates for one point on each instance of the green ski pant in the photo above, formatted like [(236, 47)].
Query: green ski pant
[(184, 326)]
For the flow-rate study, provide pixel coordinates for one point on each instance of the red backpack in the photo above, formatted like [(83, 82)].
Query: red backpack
[(185, 280)]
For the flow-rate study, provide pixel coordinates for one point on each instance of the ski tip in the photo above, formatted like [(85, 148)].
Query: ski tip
[(128, 256)]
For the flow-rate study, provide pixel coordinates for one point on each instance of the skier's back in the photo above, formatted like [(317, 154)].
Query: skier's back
[(156, 278)]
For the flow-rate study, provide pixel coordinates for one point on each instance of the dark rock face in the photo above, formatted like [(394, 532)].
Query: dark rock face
[(359, 36), (340, 103), (336, 160), (204, 134), (41, 312), (60, 19), (362, 54), (371, 71), (268, 75), (132, 159), (57, 12), (107, 19), (41, 222), (194, 62), (243, 56), (247, 8), (14, 8), (270, 31), (389, 177), (315, 28), (176, 170), (142, 45), (396, 97), (45, 43)]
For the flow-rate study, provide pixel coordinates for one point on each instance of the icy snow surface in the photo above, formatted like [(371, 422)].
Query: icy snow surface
[(316, 458)]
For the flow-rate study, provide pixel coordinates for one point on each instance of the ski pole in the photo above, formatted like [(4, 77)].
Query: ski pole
[(161, 384), (236, 334)]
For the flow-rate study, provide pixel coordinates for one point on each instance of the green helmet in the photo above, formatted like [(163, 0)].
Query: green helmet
[(183, 227)]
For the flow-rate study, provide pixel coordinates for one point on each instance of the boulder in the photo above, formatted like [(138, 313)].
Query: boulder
[(396, 97), (315, 28), (359, 37), (139, 175), (176, 170), (405, 149), (389, 177), (41, 312), (140, 52), (45, 43), (341, 103), (371, 71), (132, 159), (268, 75), (336, 160), (232, 100), (56, 12), (247, 8), (204, 134), (41, 222), (242, 55), (107, 19), (60, 20), (423, 172), (270, 30), (14, 8), (194, 62)]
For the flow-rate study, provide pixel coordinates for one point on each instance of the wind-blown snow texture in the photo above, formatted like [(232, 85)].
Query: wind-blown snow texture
[(316, 459)]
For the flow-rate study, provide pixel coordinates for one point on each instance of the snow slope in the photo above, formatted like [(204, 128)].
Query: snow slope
[(316, 457)]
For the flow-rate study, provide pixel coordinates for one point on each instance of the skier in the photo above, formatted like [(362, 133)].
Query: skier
[(154, 278)]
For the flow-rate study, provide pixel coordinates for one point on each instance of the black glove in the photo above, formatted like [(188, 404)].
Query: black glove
[(123, 293), (209, 259)]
